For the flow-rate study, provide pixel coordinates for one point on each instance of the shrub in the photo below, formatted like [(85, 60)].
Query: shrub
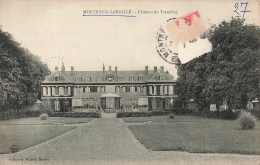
[(76, 114), (256, 113), (44, 116), (171, 116), (227, 114), (247, 121), (14, 148)]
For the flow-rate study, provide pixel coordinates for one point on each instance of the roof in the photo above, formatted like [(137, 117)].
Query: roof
[(100, 76)]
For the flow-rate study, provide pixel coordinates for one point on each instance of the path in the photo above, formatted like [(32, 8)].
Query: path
[(108, 141)]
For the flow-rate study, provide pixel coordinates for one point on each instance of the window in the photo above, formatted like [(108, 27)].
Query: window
[(117, 89), (93, 89), (121, 79), (66, 91), (137, 89), (57, 78), (142, 101), (57, 105), (127, 89), (165, 90), (84, 89), (102, 89), (131, 78), (76, 102), (44, 91), (57, 91), (61, 90), (140, 78), (88, 79), (78, 79)]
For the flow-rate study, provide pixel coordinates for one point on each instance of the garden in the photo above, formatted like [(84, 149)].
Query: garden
[(22, 133), (197, 134)]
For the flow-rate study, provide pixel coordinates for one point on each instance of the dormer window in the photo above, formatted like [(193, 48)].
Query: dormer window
[(88, 79), (109, 78), (121, 79), (131, 78), (160, 77), (78, 79), (140, 78), (57, 78)]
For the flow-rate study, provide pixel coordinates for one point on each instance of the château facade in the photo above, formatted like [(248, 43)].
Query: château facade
[(108, 89)]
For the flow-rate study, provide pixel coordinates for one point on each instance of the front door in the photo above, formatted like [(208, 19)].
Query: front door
[(110, 103)]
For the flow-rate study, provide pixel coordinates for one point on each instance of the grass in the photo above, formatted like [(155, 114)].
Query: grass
[(195, 134), (48, 121), (163, 119), (28, 135)]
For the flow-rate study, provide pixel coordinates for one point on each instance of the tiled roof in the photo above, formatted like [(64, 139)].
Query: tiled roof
[(96, 76)]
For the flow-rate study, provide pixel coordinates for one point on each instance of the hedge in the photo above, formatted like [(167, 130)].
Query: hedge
[(223, 114), (17, 115), (75, 114)]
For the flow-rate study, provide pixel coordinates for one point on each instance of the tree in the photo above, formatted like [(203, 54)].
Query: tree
[(20, 74), (230, 71)]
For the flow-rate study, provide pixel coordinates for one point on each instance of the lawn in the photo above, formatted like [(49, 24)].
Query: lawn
[(49, 121), (27, 132), (28, 135), (195, 134)]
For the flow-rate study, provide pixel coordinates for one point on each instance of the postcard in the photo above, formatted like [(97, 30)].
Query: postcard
[(129, 82)]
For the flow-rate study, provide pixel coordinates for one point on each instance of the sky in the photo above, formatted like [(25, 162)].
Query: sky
[(56, 30)]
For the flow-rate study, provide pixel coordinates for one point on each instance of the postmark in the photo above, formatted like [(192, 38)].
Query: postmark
[(177, 32), (165, 46)]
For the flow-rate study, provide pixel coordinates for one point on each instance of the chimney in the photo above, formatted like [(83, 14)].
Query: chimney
[(56, 68), (72, 70), (116, 69), (103, 68), (146, 70), (110, 68), (155, 69), (162, 68)]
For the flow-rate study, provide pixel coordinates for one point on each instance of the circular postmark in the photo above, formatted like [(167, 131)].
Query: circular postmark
[(164, 46)]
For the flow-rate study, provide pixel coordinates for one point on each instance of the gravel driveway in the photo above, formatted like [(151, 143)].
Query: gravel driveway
[(108, 140)]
